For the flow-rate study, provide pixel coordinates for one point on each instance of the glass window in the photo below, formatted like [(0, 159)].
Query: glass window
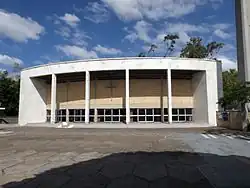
[(122, 118), (157, 119), (77, 119), (165, 111), (182, 118), (92, 112), (189, 118), (123, 112), (101, 119), (175, 118), (107, 118), (132, 111), (181, 111), (134, 119), (149, 111), (142, 118), (48, 112), (108, 112), (165, 118), (174, 111), (157, 111), (141, 111), (115, 111), (91, 119), (116, 118), (71, 119), (149, 118), (188, 111), (77, 112), (100, 112)]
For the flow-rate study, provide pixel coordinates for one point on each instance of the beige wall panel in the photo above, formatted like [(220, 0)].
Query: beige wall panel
[(182, 94), (69, 95), (107, 94), (143, 94)]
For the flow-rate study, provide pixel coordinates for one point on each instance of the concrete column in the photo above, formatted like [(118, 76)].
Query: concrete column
[(87, 96), (127, 96), (162, 100), (67, 115), (96, 116), (53, 99), (67, 108), (169, 97), (95, 110)]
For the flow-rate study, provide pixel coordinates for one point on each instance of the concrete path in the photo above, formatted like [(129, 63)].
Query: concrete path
[(62, 158)]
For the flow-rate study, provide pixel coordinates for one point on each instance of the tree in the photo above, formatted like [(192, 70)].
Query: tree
[(142, 54), (196, 49), (9, 94), (213, 48), (236, 93), (152, 49), (170, 41)]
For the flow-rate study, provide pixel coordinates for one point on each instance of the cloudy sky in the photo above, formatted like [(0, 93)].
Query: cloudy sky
[(38, 32)]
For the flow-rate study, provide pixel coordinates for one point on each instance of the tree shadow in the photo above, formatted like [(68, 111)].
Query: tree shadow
[(146, 169)]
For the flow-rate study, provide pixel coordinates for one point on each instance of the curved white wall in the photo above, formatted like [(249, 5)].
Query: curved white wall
[(33, 108)]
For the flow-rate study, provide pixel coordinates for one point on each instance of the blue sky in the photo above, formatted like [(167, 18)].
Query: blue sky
[(38, 32)]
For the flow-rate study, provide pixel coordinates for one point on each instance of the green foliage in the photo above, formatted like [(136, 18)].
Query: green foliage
[(236, 93), (170, 41), (196, 49), (9, 94)]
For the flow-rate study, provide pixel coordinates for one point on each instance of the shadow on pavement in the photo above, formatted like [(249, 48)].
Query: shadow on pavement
[(147, 169)]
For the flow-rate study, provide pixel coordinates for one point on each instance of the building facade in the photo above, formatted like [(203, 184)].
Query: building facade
[(126, 90), (242, 11)]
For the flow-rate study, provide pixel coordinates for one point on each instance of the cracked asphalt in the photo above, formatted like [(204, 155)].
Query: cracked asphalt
[(98, 158)]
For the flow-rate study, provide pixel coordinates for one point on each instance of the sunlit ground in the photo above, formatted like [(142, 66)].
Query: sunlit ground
[(46, 157)]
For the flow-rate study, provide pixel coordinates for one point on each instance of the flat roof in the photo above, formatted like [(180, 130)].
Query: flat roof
[(118, 58)]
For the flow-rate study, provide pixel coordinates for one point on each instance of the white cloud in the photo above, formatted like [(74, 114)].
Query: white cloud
[(141, 32), (220, 30), (222, 34), (107, 51), (70, 19), (70, 32), (10, 61), (227, 63), (131, 37), (79, 37), (154, 10), (63, 31), (96, 12), (76, 51), (185, 27), (18, 28), (222, 26), (142, 29)]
